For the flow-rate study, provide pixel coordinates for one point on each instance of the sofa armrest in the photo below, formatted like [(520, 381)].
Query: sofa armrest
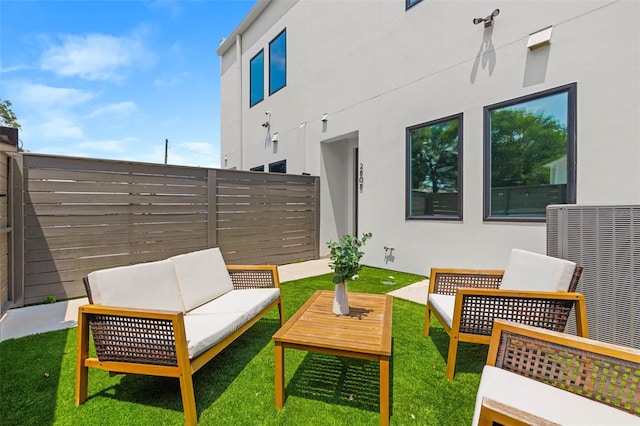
[(254, 276), (606, 373), (131, 335), (448, 280), (494, 412), (476, 309)]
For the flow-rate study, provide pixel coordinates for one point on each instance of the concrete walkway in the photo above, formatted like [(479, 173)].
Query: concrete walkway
[(21, 322)]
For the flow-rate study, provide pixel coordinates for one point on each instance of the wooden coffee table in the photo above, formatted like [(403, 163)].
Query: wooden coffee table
[(365, 333)]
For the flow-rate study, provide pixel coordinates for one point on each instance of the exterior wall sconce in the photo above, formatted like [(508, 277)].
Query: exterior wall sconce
[(274, 138), (540, 38), (267, 123), (325, 117), (488, 21)]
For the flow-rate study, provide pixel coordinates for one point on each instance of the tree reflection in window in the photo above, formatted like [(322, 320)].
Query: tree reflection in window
[(434, 175), (530, 151)]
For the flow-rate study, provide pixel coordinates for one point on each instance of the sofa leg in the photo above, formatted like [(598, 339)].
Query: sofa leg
[(82, 371), (427, 322), (451, 358), (188, 400)]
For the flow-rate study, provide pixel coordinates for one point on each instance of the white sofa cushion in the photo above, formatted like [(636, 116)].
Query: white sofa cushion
[(536, 272), (443, 304), (545, 401), (204, 331), (202, 276), (151, 285), (249, 301)]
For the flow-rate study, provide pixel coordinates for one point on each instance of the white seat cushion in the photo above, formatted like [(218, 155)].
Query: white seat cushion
[(205, 331), (249, 301), (443, 304), (536, 272), (545, 401), (151, 285), (202, 276)]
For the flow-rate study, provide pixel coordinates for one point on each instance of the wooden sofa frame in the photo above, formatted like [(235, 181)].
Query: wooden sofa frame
[(164, 354), (479, 300), (602, 372)]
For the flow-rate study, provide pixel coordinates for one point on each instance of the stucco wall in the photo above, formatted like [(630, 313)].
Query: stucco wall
[(377, 69)]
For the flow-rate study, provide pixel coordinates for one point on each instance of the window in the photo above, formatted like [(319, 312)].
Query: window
[(409, 3), (434, 169), (278, 62), (256, 71), (530, 151), (278, 167), (257, 168)]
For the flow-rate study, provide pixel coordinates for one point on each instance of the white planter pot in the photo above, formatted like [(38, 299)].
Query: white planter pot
[(341, 300)]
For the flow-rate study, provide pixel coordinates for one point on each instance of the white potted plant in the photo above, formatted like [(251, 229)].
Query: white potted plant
[(345, 261)]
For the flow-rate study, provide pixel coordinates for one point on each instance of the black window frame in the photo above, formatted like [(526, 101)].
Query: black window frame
[(571, 90), (271, 89), (251, 76), (408, 157), (257, 168)]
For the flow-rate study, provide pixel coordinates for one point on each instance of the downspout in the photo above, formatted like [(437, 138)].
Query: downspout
[(239, 62)]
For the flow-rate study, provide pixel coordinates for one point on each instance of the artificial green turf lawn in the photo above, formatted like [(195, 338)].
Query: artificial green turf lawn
[(37, 377)]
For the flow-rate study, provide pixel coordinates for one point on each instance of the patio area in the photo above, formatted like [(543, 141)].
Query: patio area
[(237, 387)]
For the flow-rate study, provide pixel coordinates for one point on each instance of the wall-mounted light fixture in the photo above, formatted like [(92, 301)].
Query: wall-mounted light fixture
[(540, 38), (267, 123), (304, 123), (325, 117), (274, 138), (488, 21)]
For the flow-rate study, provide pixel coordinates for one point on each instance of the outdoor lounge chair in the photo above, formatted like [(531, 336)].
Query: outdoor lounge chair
[(534, 289)]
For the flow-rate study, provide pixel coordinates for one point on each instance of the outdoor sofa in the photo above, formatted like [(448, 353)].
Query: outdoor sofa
[(541, 377), (170, 317)]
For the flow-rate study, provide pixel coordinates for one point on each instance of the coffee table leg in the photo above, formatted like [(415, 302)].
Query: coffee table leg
[(279, 375), (384, 391)]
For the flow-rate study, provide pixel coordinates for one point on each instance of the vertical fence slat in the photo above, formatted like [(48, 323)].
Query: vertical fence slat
[(16, 184), (213, 217)]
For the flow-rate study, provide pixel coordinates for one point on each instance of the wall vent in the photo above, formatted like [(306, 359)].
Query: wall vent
[(605, 240)]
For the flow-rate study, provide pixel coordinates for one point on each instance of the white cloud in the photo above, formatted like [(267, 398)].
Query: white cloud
[(120, 109), (113, 146), (201, 154), (171, 79), (39, 94), (54, 128), (94, 56)]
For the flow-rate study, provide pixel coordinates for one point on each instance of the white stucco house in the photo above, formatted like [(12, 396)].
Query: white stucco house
[(442, 127)]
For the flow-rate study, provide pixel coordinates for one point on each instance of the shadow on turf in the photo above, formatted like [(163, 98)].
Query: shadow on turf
[(338, 380), (208, 383), (471, 356)]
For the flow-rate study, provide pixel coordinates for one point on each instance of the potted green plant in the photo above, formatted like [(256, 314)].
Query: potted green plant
[(345, 258)]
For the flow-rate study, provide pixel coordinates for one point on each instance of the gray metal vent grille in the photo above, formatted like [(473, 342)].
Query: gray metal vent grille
[(605, 240)]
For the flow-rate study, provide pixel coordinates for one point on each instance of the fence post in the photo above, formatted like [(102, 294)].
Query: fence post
[(16, 217), (316, 248), (212, 223)]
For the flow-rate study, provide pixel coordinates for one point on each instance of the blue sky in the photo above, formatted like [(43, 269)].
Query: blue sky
[(113, 78)]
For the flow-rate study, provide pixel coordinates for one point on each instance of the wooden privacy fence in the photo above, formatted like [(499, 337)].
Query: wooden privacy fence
[(76, 215), (5, 230)]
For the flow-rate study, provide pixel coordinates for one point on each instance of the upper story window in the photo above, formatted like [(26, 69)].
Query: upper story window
[(530, 152), (257, 168), (256, 77), (409, 3), (434, 169), (278, 62)]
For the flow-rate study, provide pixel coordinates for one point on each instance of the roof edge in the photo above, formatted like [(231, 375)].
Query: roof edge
[(253, 14)]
